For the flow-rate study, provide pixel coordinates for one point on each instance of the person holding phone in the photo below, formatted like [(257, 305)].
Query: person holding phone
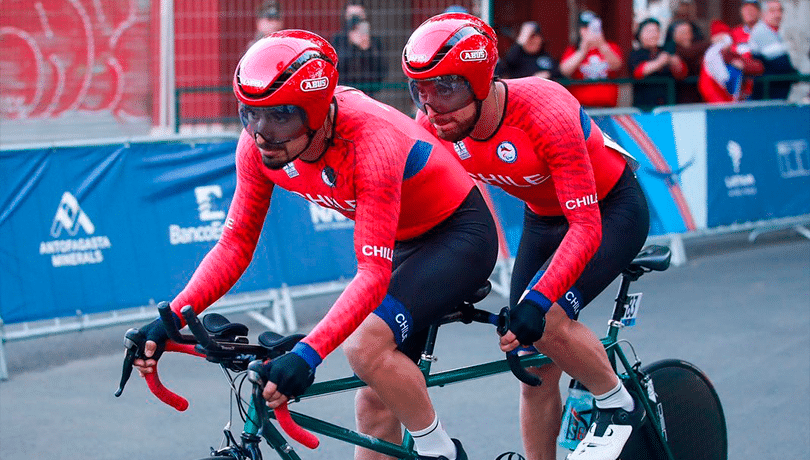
[(592, 57), (528, 55), (362, 60)]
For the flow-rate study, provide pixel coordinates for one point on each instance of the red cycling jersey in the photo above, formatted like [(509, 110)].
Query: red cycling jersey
[(552, 155), (382, 170)]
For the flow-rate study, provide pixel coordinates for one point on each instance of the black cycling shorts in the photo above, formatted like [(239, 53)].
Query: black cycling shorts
[(625, 225), (434, 272)]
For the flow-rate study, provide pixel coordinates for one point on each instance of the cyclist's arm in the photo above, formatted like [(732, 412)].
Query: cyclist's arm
[(378, 182), (572, 174), (230, 257)]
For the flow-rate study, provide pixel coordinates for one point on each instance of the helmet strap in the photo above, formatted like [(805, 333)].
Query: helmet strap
[(328, 128), (479, 111)]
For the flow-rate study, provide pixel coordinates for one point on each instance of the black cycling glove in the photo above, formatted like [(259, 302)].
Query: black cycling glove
[(291, 374), (156, 332), (527, 319)]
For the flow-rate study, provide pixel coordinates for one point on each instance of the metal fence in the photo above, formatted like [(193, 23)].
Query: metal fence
[(204, 105), (85, 69)]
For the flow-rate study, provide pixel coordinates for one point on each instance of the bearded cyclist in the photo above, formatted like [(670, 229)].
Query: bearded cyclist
[(424, 238), (585, 216)]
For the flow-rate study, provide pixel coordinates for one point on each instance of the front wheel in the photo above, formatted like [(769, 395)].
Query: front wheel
[(219, 457), (693, 416)]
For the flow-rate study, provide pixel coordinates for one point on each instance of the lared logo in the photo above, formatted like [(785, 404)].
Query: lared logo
[(473, 55), (314, 84)]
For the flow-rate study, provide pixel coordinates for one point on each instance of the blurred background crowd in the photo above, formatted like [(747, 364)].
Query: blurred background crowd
[(134, 67), (676, 57)]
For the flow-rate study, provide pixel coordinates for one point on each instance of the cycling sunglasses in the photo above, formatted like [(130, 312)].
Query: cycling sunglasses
[(277, 124), (444, 94)]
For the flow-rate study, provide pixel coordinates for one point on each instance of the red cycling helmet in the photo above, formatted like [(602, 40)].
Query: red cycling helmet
[(289, 67), (453, 44)]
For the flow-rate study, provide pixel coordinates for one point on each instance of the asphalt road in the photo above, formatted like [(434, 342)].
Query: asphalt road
[(739, 311)]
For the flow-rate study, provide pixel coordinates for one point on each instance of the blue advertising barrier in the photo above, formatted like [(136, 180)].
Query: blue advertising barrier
[(705, 167), (99, 228), (757, 168), (650, 139)]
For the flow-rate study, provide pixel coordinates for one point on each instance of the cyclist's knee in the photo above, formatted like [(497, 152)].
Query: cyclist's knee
[(369, 346), (558, 330)]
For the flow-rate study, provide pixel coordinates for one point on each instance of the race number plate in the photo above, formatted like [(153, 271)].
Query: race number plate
[(630, 313)]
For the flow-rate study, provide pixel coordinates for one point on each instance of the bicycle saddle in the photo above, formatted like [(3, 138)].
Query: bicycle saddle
[(652, 257), (480, 294)]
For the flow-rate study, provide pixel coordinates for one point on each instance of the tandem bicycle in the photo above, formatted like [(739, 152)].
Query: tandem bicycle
[(685, 417)]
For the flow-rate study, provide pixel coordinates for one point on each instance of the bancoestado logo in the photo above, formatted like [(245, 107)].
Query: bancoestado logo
[(70, 252), (205, 196)]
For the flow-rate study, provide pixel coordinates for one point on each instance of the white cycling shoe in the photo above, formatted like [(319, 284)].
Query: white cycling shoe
[(608, 433)]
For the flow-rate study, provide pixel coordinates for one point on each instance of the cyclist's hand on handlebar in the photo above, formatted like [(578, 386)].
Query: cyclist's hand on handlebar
[(147, 365), (527, 320), (289, 375), (508, 342), (154, 346)]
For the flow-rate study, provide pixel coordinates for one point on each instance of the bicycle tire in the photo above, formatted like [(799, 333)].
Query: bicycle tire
[(219, 457), (693, 416)]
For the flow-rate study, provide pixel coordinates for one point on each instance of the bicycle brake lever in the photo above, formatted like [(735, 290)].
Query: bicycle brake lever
[(503, 321), (133, 339)]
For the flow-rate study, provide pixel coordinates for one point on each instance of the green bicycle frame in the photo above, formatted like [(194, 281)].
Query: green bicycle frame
[(405, 450)]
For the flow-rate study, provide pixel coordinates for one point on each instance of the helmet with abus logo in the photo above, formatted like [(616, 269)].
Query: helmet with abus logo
[(289, 67), (453, 44)]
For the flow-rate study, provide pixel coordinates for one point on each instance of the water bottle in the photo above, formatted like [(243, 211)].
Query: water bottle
[(576, 416)]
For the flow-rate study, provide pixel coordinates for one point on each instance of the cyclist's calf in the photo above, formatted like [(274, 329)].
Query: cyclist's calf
[(396, 379), (589, 365)]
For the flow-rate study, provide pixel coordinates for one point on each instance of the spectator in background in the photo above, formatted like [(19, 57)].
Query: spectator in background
[(592, 58), (651, 61), (456, 9), (528, 56), (361, 61), (749, 13), (683, 44), (770, 48), (268, 20), (685, 10), (655, 9), (723, 73)]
